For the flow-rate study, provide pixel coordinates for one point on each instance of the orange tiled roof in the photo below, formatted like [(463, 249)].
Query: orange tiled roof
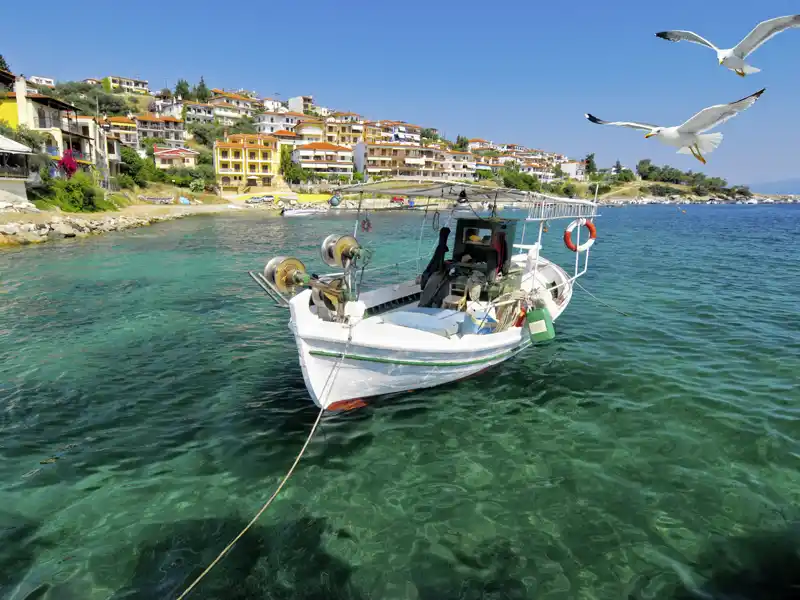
[(479, 140), (124, 120), (232, 96), (284, 133), (324, 146), (295, 114), (176, 151)]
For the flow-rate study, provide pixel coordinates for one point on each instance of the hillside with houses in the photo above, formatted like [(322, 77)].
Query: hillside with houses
[(117, 134), (242, 141)]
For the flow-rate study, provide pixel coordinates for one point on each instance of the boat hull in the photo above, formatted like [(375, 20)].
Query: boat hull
[(337, 375), (342, 365)]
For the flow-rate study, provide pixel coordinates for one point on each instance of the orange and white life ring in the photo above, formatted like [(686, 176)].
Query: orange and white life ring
[(585, 245)]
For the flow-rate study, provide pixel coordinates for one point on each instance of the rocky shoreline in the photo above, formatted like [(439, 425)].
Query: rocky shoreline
[(59, 227)]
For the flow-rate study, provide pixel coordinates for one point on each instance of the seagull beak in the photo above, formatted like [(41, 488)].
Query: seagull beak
[(651, 134), (720, 62)]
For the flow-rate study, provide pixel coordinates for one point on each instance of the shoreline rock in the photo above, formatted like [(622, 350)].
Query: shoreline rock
[(60, 227)]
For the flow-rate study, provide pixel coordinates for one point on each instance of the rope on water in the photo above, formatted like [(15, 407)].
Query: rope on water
[(286, 477), (623, 313)]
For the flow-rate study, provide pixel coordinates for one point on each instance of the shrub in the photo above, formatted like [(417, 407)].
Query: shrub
[(76, 194), (124, 180)]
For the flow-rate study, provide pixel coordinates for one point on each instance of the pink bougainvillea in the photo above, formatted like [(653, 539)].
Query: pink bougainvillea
[(68, 164)]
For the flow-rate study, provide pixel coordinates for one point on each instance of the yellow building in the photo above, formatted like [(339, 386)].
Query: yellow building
[(246, 161), (126, 84), (344, 129), (55, 119)]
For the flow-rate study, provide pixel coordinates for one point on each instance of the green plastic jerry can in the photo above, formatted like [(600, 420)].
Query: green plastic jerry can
[(540, 324)]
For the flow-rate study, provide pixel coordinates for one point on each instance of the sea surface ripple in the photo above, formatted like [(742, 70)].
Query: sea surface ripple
[(151, 400)]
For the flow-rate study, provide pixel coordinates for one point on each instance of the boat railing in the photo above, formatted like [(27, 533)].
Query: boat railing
[(546, 208)]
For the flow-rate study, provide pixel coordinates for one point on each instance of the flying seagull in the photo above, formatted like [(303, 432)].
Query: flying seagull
[(689, 137), (733, 58)]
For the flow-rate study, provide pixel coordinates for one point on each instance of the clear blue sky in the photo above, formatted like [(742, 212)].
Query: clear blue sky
[(517, 71)]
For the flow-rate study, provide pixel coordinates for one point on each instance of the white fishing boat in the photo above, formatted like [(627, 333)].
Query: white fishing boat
[(302, 212), (468, 310)]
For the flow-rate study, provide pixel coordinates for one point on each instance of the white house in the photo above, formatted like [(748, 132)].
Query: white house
[(574, 169), (272, 105), (324, 158), (45, 81), (270, 122), (181, 158), (480, 144)]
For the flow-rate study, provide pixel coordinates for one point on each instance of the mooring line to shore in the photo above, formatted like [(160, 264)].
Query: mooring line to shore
[(622, 312), (323, 394), (259, 513)]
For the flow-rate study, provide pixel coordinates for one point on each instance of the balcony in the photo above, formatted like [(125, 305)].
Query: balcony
[(410, 160), (62, 124)]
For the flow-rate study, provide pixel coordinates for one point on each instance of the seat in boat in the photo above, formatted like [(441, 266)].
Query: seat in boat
[(439, 321)]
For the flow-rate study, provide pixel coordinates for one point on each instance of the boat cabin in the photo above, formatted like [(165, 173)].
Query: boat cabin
[(479, 266)]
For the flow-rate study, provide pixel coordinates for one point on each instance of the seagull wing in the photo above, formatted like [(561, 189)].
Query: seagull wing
[(643, 126), (712, 116), (764, 31), (685, 36)]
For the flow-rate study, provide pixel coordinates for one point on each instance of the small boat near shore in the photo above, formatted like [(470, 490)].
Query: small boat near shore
[(302, 212), (468, 310)]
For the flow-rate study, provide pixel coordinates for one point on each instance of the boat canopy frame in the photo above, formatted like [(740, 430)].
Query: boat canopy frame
[(542, 208)]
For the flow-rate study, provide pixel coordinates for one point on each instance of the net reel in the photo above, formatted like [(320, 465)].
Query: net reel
[(339, 250), (286, 274)]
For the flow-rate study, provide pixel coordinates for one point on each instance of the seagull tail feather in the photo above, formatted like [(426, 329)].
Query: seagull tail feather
[(748, 70), (707, 142)]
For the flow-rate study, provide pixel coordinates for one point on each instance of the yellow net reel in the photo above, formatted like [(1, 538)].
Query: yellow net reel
[(286, 273), (336, 250)]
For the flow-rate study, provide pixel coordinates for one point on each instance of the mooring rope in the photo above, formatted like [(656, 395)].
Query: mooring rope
[(286, 477), (623, 313)]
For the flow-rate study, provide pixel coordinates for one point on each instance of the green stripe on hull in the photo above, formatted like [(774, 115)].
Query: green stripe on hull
[(416, 363)]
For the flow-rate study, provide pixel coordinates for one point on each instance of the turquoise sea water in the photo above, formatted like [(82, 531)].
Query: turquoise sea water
[(151, 400)]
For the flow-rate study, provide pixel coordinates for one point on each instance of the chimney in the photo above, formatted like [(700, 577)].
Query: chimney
[(21, 91)]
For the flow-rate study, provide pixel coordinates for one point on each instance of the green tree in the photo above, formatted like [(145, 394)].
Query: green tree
[(91, 99), (4, 64), (201, 92), (244, 125), (182, 89), (591, 166), (166, 93), (106, 83), (462, 143), (626, 175), (617, 167), (644, 168), (149, 142), (429, 134), (558, 172), (205, 133), (358, 177)]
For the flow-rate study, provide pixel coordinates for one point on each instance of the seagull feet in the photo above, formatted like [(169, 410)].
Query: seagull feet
[(696, 154), (739, 72)]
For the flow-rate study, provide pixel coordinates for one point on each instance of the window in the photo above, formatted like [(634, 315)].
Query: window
[(252, 156), (224, 165), (164, 161), (474, 235), (236, 154), (186, 161), (224, 154)]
